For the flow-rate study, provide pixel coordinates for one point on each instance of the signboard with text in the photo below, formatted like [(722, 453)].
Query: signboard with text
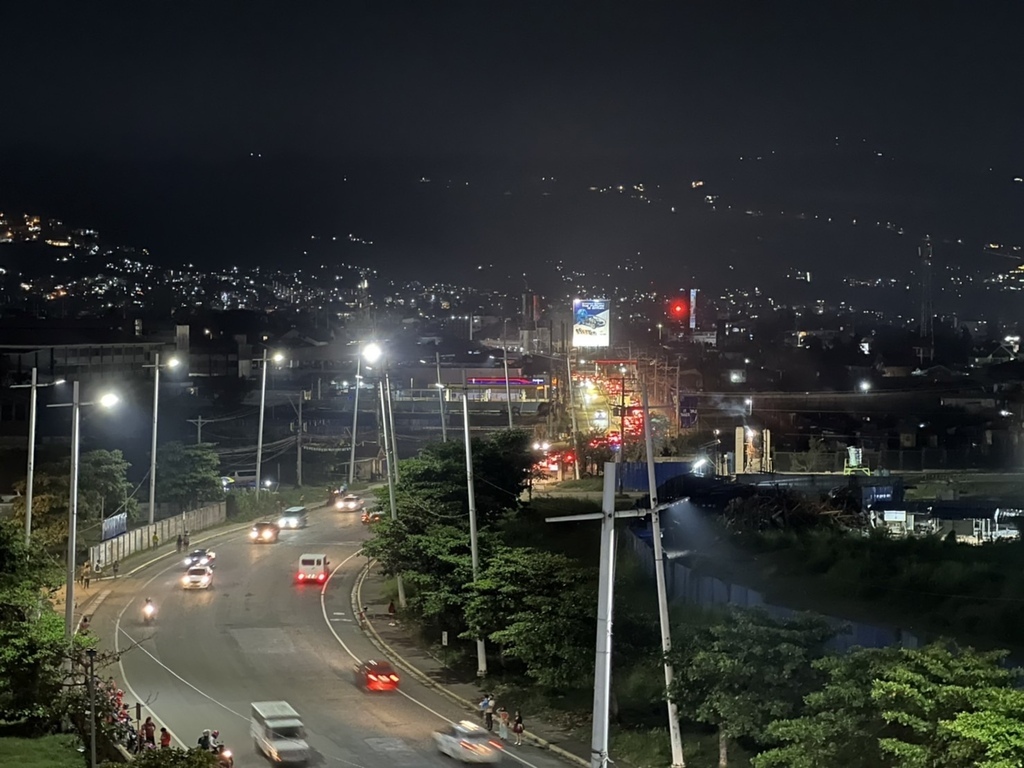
[(115, 525), (591, 320), (687, 412)]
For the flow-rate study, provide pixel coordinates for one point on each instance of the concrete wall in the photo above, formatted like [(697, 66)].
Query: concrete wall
[(141, 539)]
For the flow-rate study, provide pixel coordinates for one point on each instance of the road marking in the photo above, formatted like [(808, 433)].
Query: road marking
[(124, 677), (417, 702)]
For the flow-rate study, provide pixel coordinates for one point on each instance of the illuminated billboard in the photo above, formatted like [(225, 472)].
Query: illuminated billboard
[(591, 319)]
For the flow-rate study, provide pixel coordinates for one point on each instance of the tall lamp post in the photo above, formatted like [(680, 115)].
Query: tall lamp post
[(263, 407), (390, 457), (372, 353), (172, 363), (440, 398), (108, 400), (481, 649), (30, 477)]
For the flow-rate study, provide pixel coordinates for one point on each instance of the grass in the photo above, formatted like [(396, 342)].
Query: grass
[(43, 752), (650, 748), (583, 484)]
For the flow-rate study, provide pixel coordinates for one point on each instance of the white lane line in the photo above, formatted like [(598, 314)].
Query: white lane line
[(323, 608), (160, 722)]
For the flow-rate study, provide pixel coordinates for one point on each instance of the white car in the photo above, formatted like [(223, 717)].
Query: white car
[(468, 742), (349, 503), (198, 577)]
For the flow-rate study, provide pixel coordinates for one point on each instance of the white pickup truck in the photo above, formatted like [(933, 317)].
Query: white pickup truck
[(278, 733)]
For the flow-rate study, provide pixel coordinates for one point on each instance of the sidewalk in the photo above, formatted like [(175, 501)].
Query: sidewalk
[(404, 649)]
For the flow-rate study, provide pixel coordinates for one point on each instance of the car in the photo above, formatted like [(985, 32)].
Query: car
[(468, 743), (371, 516), (198, 577), (200, 557), (350, 502), (264, 533), (376, 676), (293, 517)]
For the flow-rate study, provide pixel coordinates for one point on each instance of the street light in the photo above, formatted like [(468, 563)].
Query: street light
[(172, 363), (108, 400), (277, 358), (372, 353), (749, 402), (440, 398), (32, 447), (389, 457)]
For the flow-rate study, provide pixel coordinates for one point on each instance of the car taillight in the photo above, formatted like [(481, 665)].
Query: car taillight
[(495, 744), (301, 576), (320, 577), (370, 676), (393, 677), (467, 745)]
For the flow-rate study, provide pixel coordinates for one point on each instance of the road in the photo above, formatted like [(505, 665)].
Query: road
[(256, 635)]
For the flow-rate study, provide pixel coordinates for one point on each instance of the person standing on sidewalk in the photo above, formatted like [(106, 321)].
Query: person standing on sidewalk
[(518, 728), (181, 542), (156, 540), (86, 575), (503, 723), (116, 567), (185, 542), (165, 739), (149, 731), (489, 714)]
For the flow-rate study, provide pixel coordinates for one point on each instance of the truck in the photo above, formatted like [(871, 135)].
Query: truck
[(278, 733)]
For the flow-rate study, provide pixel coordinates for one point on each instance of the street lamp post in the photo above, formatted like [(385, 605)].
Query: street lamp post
[(30, 477), (481, 649), (173, 362), (440, 398), (391, 485), (106, 401), (372, 353), (263, 407), (391, 420)]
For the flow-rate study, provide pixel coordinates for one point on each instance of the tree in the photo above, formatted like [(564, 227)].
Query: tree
[(188, 474), (935, 706), (746, 671), (171, 758)]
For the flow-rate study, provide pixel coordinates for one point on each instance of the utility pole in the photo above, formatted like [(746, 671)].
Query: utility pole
[(508, 391), (298, 443), (199, 428), (481, 649), (391, 484), (440, 398), (675, 737), (605, 604), (572, 415)]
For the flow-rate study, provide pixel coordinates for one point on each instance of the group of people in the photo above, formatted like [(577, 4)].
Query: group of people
[(490, 710), (88, 571), (182, 542), (120, 717)]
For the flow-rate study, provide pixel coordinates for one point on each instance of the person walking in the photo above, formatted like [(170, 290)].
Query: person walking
[(518, 728), (116, 567), (156, 540), (181, 542), (503, 723), (86, 575), (165, 739), (185, 542), (489, 714)]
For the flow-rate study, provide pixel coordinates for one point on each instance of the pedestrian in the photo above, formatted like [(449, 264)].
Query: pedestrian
[(185, 542), (156, 540), (503, 723), (518, 728), (483, 704), (149, 731), (165, 739), (392, 611), (116, 567), (181, 542), (83, 626), (489, 714), (87, 575), (97, 570)]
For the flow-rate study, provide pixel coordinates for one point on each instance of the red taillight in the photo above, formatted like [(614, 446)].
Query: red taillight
[(370, 676), (467, 745), (320, 577), (496, 744), (301, 576), (394, 677)]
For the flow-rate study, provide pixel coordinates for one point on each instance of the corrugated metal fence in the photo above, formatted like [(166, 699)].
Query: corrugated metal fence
[(683, 584), (119, 547)]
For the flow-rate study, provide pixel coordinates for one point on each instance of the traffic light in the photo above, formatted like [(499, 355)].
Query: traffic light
[(678, 310)]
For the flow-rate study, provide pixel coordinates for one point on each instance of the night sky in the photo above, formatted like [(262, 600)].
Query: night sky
[(226, 133)]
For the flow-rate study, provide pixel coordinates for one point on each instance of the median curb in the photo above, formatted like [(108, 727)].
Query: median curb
[(398, 660)]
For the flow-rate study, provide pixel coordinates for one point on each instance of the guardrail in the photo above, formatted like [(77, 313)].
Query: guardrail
[(140, 539)]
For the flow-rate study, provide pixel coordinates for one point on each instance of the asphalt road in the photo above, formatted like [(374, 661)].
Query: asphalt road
[(256, 635)]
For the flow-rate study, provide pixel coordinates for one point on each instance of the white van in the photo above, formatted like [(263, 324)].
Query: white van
[(313, 568), (278, 732)]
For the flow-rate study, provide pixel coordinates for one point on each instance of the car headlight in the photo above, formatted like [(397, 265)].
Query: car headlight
[(253, 534), (204, 580), (184, 579), (188, 561)]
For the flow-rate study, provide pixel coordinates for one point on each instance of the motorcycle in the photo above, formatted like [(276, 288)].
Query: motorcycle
[(148, 613), (224, 756)]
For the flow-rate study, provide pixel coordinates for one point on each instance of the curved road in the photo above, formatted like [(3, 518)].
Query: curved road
[(256, 635)]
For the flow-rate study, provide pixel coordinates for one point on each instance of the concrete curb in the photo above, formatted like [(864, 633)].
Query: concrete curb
[(396, 658)]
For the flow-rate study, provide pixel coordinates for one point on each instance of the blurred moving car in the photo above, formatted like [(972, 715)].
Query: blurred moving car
[(376, 676), (198, 577), (200, 557), (294, 517), (370, 516), (264, 533), (468, 743), (350, 502)]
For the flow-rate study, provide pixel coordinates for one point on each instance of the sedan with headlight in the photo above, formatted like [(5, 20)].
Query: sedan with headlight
[(200, 557), (349, 503), (293, 517), (198, 577), (264, 533)]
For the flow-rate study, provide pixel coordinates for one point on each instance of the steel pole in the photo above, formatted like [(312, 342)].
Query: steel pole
[(605, 605), (508, 390), (481, 649), (259, 436), (152, 460), (30, 479), (572, 416), (391, 491), (440, 398), (675, 737), (355, 423), (391, 420), (69, 602)]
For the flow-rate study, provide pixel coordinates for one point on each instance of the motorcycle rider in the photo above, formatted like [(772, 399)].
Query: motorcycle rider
[(206, 740)]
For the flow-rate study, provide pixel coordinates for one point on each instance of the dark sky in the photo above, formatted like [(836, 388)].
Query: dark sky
[(139, 112)]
